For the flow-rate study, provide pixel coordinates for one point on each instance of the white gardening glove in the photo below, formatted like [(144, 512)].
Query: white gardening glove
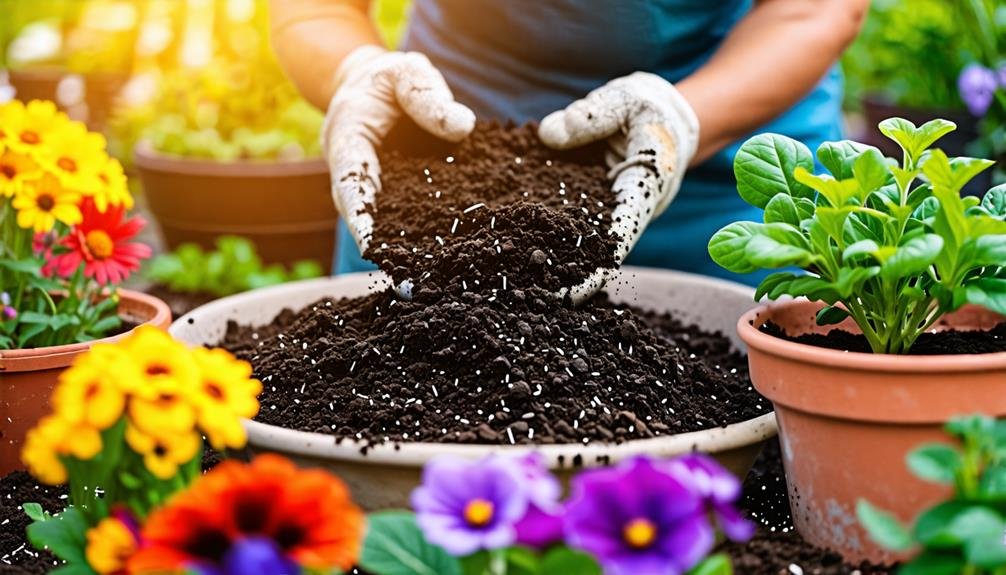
[(373, 88), (652, 132)]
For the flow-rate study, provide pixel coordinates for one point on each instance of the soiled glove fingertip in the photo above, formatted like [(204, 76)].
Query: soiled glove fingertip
[(459, 123), (552, 130)]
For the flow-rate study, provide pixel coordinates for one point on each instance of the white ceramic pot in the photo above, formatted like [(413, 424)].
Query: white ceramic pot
[(384, 477)]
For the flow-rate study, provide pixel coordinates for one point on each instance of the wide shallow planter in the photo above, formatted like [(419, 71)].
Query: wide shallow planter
[(28, 376), (848, 420), (384, 477), (284, 207), (36, 83)]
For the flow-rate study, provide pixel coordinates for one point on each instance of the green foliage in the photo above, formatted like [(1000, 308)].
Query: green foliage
[(65, 536), (966, 533), (395, 546), (233, 267), (894, 246)]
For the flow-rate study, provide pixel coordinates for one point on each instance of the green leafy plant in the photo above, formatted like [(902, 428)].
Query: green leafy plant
[(894, 246), (233, 267), (966, 533)]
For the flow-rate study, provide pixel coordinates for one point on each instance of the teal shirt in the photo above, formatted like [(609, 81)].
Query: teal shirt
[(523, 59)]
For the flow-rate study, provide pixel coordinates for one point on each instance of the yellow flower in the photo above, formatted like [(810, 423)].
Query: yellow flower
[(88, 393), (54, 437), (115, 188), (226, 393), (10, 113), (163, 454), (15, 168), (41, 203), (78, 157), (110, 544), (160, 403), (31, 129)]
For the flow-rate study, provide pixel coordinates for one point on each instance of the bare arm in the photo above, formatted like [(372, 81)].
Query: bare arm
[(771, 60), (312, 37)]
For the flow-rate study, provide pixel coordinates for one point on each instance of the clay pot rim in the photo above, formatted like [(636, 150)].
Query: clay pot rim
[(323, 446), (10, 359), (857, 361), (147, 158)]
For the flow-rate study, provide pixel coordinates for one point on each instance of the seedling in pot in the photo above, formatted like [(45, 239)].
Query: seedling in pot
[(892, 245), (967, 533)]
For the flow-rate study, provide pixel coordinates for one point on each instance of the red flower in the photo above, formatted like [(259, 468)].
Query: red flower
[(238, 511), (101, 243)]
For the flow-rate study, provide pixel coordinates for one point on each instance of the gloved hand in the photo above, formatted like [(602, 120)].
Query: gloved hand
[(373, 88), (652, 133)]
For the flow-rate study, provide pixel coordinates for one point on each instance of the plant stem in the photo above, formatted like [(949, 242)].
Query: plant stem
[(497, 562)]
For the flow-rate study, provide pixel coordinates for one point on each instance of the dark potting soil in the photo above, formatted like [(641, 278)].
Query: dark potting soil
[(777, 549), (179, 302), (499, 202), (17, 556), (950, 342), (514, 367)]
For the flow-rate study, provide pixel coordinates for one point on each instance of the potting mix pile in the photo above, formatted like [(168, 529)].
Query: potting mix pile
[(483, 352)]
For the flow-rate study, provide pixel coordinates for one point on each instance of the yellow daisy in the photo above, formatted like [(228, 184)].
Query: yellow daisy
[(10, 114), (34, 128), (162, 455), (42, 202), (87, 393), (78, 157), (54, 437), (110, 544), (226, 393), (115, 187), (15, 169)]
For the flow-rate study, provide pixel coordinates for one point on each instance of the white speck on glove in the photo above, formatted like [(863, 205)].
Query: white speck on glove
[(373, 88), (653, 134)]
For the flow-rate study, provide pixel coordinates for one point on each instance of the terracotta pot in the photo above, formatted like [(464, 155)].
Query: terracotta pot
[(384, 477), (36, 83), (87, 97), (848, 420), (284, 207), (28, 376)]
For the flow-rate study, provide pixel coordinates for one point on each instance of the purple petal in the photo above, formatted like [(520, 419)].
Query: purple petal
[(544, 490), (639, 564), (539, 529), (733, 523), (689, 541), (977, 85), (258, 556), (713, 481), (453, 535)]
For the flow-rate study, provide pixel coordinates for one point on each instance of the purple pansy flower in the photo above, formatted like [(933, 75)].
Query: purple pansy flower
[(465, 505), (639, 518), (251, 556), (977, 85), (542, 525), (8, 311), (1001, 76), (720, 490)]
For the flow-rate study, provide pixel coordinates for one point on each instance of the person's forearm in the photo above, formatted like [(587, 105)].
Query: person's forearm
[(311, 38), (772, 59)]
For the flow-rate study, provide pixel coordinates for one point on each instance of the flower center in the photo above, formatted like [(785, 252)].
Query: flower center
[(67, 164), (156, 369), (213, 390), (45, 202), (479, 512), (100, 244), (640, 533), (8, 171), (30, 137), (91, 391)]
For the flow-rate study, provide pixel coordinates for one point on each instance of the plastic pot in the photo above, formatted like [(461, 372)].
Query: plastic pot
[(284, 207), (28, 376), (848, 420), (384, 477)]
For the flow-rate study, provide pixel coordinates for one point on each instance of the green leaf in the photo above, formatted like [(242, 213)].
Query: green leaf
[(63, 534), (34, 511), (836, 192), (861, 248), (987, 551), (831, 315), (870, 170), (913, 257), (839, 157), (833, 221), (933, 563), (764, 168), (993, 483), (934, 528), (29, 266), (994, 201), (883, 527), (851, 280), (902, 177), (914, 140), (718, 564), (396, 546), (989, 293), (727, 246), (563, 560), (779, 246), (782, 209), (935, 462), (990, 250)]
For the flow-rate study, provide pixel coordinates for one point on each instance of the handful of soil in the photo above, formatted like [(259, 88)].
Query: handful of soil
[(499, 203)]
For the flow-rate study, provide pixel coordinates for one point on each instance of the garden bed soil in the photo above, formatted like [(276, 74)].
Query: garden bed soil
[(17, 556), (497, 204), (949, 342), (180, 303), (513, 367)]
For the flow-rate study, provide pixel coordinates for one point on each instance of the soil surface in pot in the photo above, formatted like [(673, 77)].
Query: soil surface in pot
[(180, 303), (950, 342), (16, 554), (499, 200), (506, 366)]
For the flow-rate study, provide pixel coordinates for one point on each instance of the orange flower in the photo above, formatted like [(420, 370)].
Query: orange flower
[(239, 511)]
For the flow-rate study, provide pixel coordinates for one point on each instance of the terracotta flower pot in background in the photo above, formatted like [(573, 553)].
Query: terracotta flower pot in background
[(848, 420), (28, 376), (284, 207)]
